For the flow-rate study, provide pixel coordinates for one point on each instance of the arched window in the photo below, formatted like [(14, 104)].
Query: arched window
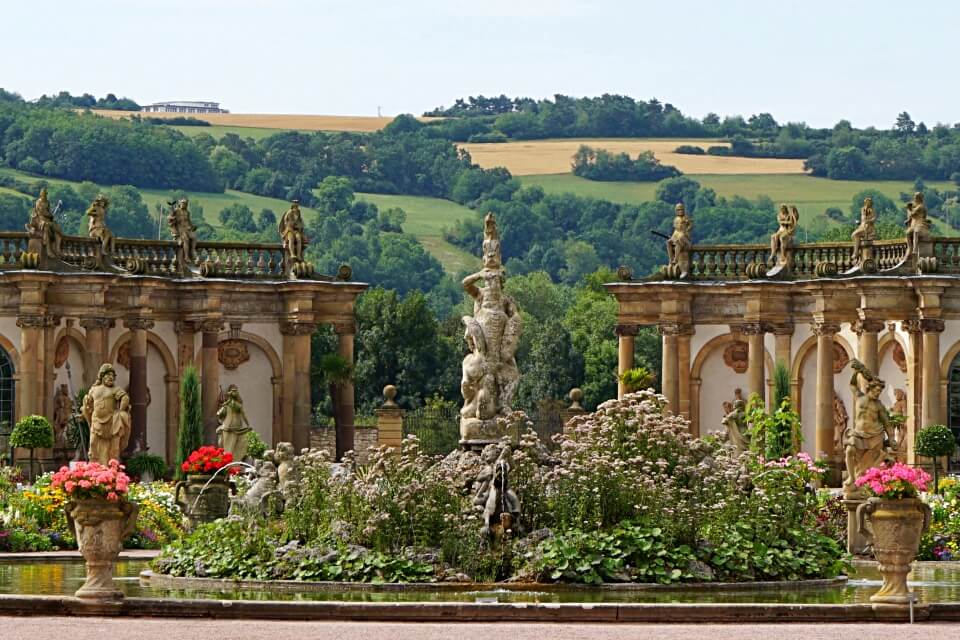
[(7, 398), (953, 405)]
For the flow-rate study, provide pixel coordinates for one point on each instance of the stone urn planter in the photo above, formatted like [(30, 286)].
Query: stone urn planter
[(203, 497), (893, 528), (101, 526)]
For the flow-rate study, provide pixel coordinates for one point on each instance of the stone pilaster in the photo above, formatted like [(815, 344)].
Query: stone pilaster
[(138, 327), (31, 362), (626, 334), (755, 332), (825, 332), (669, 380), (345, 332), (931, 329), (96, 346), (297, 351), (867, 331), (210, 378), (683, 368), (914, 385)]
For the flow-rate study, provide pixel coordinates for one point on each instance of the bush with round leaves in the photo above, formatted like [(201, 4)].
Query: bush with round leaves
[(32, 432), (935, 440)]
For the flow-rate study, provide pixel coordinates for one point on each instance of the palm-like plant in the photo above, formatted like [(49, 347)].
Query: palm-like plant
[(338, 371)]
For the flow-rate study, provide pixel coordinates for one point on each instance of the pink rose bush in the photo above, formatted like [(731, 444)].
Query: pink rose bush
[(92, 480), (894, 482)]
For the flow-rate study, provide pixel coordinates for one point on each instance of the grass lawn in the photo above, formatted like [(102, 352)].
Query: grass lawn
[(811, 195), (426, 220)]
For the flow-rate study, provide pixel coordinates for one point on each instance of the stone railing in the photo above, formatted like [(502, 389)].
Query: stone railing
[(810, 260), (241, 260), (947, 253)]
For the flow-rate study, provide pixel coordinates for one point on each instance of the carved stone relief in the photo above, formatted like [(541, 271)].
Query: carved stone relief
[(736, 356), (232, 353)]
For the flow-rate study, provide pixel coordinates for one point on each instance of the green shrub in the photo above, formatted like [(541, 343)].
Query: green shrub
[(190, 436), (933, 441), (141, 463), (637, 379), (690, 149), (256, 447), (32, 432)]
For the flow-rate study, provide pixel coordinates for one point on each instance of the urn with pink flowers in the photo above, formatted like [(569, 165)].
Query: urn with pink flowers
[(101, 516), (893, 520)]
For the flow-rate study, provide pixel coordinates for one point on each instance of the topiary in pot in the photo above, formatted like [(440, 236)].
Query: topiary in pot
[(933, 441), (32, 432)]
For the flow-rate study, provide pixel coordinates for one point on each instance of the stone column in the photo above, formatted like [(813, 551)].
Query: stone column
[(626, 334), (755, 359), (297, 352), (931, 328), (914, 385), (138, 383), (172, 416), (210, 378), (276, 433), (345, 332), (783, 336), (31, 331), (390, 420), (825, 332), (96, 346), (669, 381), (49, 376), (867, 351), (683, 369)]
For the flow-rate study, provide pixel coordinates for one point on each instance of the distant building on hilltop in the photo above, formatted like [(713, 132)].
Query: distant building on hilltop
[(183, 106)]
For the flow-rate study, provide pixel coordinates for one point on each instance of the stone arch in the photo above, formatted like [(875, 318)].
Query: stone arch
[(171, 383), (276, 377), (12, 353), (952, 353), (708, 348), (77, 341), (796, 367)]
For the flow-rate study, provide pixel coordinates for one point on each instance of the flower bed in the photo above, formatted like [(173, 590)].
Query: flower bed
[(32, 519), (942, 540), (630, 497)]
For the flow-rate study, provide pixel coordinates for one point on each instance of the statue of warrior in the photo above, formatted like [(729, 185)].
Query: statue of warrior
[(182, 229), (864, 444), (107, 410), (681, 240), (42, 225)]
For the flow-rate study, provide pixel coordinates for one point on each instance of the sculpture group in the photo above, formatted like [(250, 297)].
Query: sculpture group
[(492, 333)]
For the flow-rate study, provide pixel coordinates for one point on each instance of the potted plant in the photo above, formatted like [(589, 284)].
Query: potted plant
[(933, 441), (32, 432), (146, 466), (101, 516), (897, 518), (205, 495)]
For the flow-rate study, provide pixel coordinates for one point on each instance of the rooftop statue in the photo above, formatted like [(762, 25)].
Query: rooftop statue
[(183, 231), (107, 410), (43, 227), (864, 445), (97, 224), (680, 243), (490, 373), (782, 239), (292, 233), (234, 426), (918, 226), (866, 231)]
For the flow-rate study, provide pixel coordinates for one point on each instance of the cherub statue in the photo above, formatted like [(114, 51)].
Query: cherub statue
[(864, 445), (292, 232), (734, 419), (107, 411), (866, 230), (182, 229), (681, 241), (782, 238), (97, 224), (234, 426), (43, 227)]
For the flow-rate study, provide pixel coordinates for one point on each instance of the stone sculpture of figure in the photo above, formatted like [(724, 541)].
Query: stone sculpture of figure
[(292, 233), (97, 224), (501, 507), (43, 227), (782, 238), (107, 410), (490, 373), (288, 468), (840, 418), (864, 443), (734, 419), (62, 410), (867, 229), (262, 497), (680, 241), (918, 226), (234, 426), (900, 409), (183, 231)]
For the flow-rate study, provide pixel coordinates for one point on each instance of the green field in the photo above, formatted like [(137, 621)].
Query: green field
[(219, 130), (426, 219), (811, 195)]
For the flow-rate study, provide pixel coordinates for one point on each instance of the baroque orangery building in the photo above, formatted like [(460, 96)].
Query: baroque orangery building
[(728, 313), (241, 313)]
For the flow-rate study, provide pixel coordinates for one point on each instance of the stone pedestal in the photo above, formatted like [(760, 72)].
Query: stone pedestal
[(856, 541)]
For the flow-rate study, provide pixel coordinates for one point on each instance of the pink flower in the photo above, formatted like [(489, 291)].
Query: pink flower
[(85, 484), (112, 496), (69, 485)]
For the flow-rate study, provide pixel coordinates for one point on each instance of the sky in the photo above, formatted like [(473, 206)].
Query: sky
[(811, 61)]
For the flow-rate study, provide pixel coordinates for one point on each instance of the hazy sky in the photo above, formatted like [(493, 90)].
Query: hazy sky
[(815, 61)]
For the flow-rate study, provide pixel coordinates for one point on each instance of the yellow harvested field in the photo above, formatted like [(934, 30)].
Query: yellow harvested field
[(540, 157), (273, 120)]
